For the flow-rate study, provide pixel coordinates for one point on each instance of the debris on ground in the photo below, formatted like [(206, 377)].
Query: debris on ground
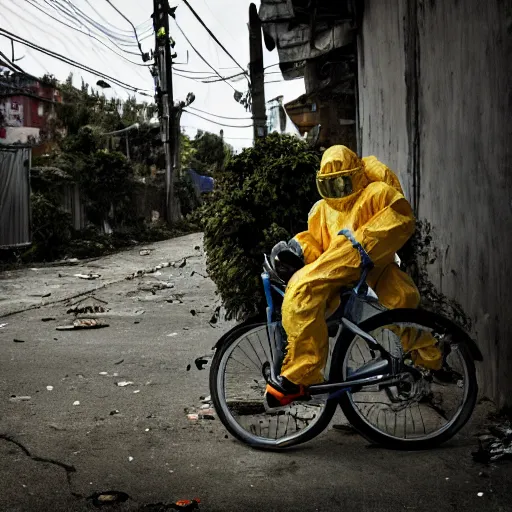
[(89, 277), (145, 252), (108, 498), (177, 297), (346, 429), (193, 417), (215, 317), (76, 402), (48, 319), (155, 287), (49, 388), (119, 362), (193, 312), (124, 383), (495, 445), (130, 459), (88, 305), (172, 334), (198, 273), (3, 325), (182, 264), (197, 248), (15, 398), (188, 367), (40, 295), (83, 323), (18, 341), (114, 413), (202, 361)]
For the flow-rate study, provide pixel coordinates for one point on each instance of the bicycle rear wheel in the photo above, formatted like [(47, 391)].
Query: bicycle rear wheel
[(237, 386), (418, 414)]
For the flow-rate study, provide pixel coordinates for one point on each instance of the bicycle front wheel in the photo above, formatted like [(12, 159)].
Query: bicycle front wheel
[(237, 386), (422, 412)]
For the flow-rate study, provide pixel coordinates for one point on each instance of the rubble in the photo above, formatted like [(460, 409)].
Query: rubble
[(145, 252), (88, 305), (84, 323), (496, 445)]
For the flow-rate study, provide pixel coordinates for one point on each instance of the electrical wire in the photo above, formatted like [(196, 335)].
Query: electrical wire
[(216, 122), (67, 60), (219, 116), (202, 58), (89, 35), (108, 22), (133, 26), (213, 35), (79, 17), (71, 17)]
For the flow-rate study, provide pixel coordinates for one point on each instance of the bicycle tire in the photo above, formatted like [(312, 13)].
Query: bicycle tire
[(317, 428), (420, 317)]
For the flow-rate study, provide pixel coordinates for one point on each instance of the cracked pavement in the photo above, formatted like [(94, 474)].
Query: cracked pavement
[(137, 438)]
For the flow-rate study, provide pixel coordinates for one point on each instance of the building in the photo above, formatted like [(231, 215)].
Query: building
[(26, 107), (432, 92)]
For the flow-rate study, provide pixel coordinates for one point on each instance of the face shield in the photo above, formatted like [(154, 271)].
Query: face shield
[(337, 185)]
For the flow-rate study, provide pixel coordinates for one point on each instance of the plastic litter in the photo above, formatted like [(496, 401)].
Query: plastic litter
[(76, 402), (3, 325), (15, 398), (124, 383), (87, 276), (130, 459), (49, 388)]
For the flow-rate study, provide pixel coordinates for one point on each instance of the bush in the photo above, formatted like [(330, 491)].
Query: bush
[(51, 229), (263, 196)]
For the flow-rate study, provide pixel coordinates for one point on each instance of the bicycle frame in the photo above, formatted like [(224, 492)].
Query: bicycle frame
[(384, 371)]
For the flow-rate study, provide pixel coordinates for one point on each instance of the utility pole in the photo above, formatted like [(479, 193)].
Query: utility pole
[(165, 100), (257, 74)]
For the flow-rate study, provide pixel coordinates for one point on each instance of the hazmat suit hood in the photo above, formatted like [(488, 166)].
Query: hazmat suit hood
[(341, 177)]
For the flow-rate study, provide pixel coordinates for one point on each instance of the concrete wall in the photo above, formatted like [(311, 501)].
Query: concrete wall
[(435, 103)]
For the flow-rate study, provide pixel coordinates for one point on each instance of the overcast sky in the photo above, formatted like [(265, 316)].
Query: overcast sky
[(227, 19)]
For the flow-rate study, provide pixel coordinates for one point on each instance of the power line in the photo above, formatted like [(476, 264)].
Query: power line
[(73, 18), (133, 26), (67, 60), (202, 58), (216, 122), (219, 116), (89, 35), (213, 35), (108, 23), (79, 17)]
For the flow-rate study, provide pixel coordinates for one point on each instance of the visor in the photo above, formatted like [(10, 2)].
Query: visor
[(331, 187)]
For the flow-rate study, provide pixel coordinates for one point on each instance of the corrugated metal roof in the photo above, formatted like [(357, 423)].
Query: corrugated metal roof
[(14, 196)]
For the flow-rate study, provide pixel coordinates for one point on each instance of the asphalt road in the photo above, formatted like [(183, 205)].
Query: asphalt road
[(79, 433)]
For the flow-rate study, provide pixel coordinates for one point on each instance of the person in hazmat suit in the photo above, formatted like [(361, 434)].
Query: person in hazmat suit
[(365, 197)]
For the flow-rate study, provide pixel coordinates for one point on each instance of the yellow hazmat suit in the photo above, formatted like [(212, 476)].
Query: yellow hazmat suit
[(375, 210)]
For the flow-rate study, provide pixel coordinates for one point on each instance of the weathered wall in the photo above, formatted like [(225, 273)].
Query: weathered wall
[(435, 100)]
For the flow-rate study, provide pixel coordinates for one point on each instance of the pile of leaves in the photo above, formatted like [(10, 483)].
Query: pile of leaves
[(262, 196)]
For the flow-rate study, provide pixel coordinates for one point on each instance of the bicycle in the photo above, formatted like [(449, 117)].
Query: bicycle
[(382, 394)]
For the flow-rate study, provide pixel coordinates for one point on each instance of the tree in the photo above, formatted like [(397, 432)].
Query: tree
[(263, 196), (210, 153)]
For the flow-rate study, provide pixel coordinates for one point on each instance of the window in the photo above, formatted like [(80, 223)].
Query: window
[(40, 110)]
